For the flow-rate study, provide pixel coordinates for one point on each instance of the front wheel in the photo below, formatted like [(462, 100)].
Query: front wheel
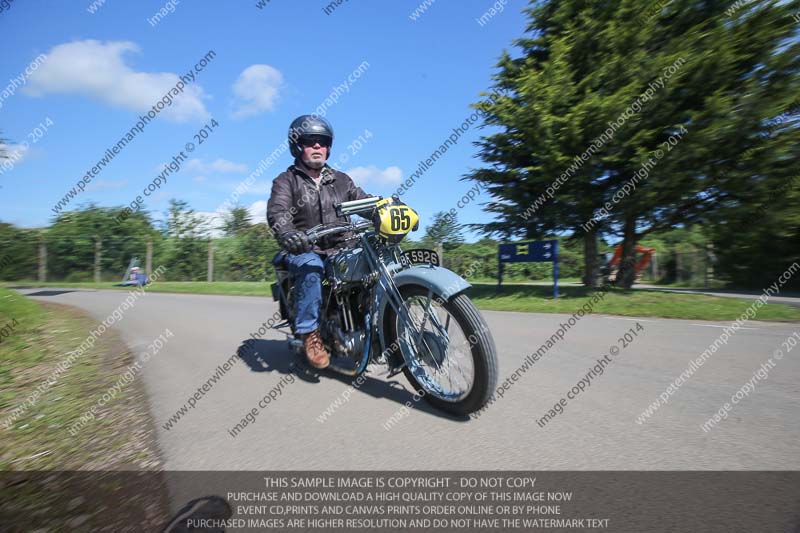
[(451, 359)]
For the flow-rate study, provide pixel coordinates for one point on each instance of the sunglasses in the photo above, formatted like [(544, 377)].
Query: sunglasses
[(308, 142)]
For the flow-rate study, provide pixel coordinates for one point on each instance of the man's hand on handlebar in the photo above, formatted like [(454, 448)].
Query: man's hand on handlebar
[(295, 242)]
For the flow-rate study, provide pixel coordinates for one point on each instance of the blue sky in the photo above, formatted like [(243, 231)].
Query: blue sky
[(105, 69)]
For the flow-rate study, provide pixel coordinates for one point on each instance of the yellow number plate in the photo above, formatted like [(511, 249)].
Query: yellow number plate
[(395, 219)]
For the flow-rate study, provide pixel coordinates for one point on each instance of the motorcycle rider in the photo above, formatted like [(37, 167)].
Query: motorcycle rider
[(302, 197)]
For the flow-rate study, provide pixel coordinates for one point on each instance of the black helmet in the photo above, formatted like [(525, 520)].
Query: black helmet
[(306, 125)]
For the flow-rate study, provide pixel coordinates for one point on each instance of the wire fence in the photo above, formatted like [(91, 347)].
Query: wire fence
[(61, 259), (690, 267), (249, 258), (239, 258)]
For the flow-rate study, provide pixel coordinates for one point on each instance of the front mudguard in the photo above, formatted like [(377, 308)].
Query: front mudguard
[(441, 281)]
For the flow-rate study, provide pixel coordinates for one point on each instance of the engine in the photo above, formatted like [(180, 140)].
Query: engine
[(343, 325), (348, 273), (348, 266)]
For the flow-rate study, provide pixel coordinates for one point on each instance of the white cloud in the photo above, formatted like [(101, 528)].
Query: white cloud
[(256, 90), (98, 70), (258, 211), (372, 175), (218, 165), (215, 219), (200, 179)]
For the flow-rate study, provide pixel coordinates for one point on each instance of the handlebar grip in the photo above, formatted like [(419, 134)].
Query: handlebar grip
[(355, 206)]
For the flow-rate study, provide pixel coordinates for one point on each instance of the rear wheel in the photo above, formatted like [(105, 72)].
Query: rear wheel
[(450, 355)]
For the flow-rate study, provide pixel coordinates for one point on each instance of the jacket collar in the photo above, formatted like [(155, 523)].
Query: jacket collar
[(327, 173)]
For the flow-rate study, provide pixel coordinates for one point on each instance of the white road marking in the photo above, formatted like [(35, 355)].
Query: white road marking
[(715, 326), (633, 319)]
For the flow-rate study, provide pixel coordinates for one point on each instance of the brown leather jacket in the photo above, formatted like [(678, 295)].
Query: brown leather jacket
[(296, 202)]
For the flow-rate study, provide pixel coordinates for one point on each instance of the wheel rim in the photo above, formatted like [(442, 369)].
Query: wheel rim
[(439, 356)]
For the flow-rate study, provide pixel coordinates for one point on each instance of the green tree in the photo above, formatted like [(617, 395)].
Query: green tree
[(757, 240), (72, 237), (708, 84), (246, 257), (18, 252), (445, 230), (186, 250), (738, 75), (258, 247), (236, 221)]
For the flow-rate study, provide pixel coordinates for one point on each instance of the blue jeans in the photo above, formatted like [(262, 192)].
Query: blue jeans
[(307, 270)]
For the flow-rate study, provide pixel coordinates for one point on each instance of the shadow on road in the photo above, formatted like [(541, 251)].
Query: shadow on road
[(48, 293), (269, 355), (395, 391), (266, 355)]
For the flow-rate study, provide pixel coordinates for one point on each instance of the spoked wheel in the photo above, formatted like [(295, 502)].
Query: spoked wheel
[(450, 355)]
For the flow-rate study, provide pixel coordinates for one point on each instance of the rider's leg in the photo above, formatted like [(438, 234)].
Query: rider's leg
[(307, 270)]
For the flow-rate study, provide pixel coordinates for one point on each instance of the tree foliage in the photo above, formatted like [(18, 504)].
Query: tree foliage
[(237, 221), (186, 252), (597, 90), (181, 247), (444, 230), (72, 237)]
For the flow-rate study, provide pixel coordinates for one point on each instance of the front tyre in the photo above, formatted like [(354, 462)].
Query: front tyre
[(450, 353)]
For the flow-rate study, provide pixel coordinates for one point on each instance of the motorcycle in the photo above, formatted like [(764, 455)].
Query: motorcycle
[(400, 309)]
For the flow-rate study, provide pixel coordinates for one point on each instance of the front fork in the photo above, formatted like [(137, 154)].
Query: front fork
[(387, 289)]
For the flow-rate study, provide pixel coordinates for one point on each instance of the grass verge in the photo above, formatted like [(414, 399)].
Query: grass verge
[(639, 302), (37, 438), (234, 288), (526, 298)]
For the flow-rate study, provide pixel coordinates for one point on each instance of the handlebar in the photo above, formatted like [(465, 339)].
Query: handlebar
[(355, 207), (317, 232)]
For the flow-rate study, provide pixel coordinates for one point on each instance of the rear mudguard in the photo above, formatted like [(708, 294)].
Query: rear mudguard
[(441, 281)]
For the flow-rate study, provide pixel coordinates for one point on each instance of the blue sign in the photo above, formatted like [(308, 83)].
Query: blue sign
[(529, 252)]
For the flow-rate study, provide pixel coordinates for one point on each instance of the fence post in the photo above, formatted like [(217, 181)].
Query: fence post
[(499, 274), (148, 260), (654, 265), (97, 251), (693, 267), (440, 251), (42, 259), (210, 260)]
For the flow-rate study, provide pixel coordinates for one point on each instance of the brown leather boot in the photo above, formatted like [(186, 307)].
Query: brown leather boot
[(315, 351)]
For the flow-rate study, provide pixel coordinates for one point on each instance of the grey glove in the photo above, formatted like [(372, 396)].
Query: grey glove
[(295, 242)]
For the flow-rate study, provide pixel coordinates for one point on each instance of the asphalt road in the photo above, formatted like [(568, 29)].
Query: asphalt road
[(787, 299), (597, 430)]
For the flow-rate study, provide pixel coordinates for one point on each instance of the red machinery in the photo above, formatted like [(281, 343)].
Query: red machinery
[(641, 264)]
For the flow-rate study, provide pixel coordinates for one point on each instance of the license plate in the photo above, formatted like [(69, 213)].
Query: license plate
[(420, 256)]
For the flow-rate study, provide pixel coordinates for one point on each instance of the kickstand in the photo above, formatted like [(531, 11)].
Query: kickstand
[(394, 371)]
